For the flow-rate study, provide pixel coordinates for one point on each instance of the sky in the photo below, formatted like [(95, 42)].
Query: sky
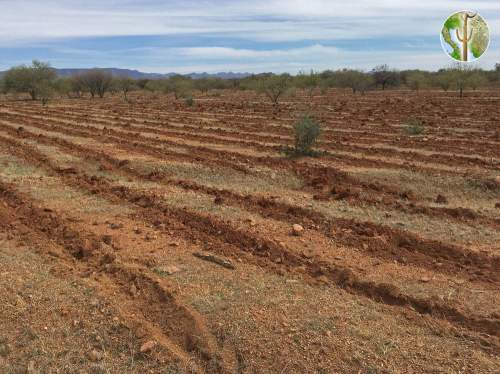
[(186, 36)]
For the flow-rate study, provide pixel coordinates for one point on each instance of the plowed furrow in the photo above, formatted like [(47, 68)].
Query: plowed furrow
[(155, 308), (341, 183), (211, 230), (400, 155), (343, 157)]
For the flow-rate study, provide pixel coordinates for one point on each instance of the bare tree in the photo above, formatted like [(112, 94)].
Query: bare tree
[(125, 85), (477, 79), (97, 82), (384, 76)]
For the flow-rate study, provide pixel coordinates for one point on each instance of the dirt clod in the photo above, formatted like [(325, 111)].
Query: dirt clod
[(440, 199), (133, 290), (107, 239), (297, 230), (148, 346), (95, 355)]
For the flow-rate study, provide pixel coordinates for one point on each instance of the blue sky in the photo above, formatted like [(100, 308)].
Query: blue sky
[(245, 36)]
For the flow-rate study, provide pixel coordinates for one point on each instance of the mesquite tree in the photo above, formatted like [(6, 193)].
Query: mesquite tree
[(460, 74), (274, 86), (35, 79), (125, 85), (97, 82), (307, 82), (384, 76), (416, 80)]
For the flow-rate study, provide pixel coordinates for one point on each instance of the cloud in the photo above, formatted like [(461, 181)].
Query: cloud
[(211, 34), (273, 20), (310, 52)]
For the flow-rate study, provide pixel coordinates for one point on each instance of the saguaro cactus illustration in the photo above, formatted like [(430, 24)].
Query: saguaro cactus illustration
[(466, 35)]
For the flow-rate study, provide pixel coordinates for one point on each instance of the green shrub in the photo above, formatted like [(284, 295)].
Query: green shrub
[(189, 101), (414, 127), (306, 132)]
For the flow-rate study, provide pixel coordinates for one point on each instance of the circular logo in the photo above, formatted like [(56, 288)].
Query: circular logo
[(465, 36)]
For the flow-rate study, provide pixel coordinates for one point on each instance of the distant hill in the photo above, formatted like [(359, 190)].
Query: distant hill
[(135, 74)]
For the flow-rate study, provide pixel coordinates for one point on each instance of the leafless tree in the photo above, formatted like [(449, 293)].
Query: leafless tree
[(97, 82)]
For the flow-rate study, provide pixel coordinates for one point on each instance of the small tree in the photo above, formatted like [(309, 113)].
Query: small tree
[(125, 85), (354, 79), (416, 80), (477, 79), (155, 85), (31, 79), (274, 86), (63, 87), (306, 132), (211, 83), (97, 82), (77, 87), (443, 79), (180, 86), (142, 83), (45, 92), (384, 76), (460, 74), (308, 82)]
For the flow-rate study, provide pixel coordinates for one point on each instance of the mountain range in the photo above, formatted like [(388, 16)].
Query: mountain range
[(135, 74)]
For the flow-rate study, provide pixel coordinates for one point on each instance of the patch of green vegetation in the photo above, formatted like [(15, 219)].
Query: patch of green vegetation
[(306, 132), (414, 127)]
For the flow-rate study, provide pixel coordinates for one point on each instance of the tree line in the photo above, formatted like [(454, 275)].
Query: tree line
[(40, 81)]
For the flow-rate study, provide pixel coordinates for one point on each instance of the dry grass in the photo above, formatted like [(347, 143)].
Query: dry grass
[(52, 323)]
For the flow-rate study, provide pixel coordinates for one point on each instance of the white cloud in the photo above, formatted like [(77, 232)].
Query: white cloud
[(314, 23), (212, 53), (271, 20)]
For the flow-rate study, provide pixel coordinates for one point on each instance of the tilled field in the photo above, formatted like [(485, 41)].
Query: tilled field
[(397, 268)]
